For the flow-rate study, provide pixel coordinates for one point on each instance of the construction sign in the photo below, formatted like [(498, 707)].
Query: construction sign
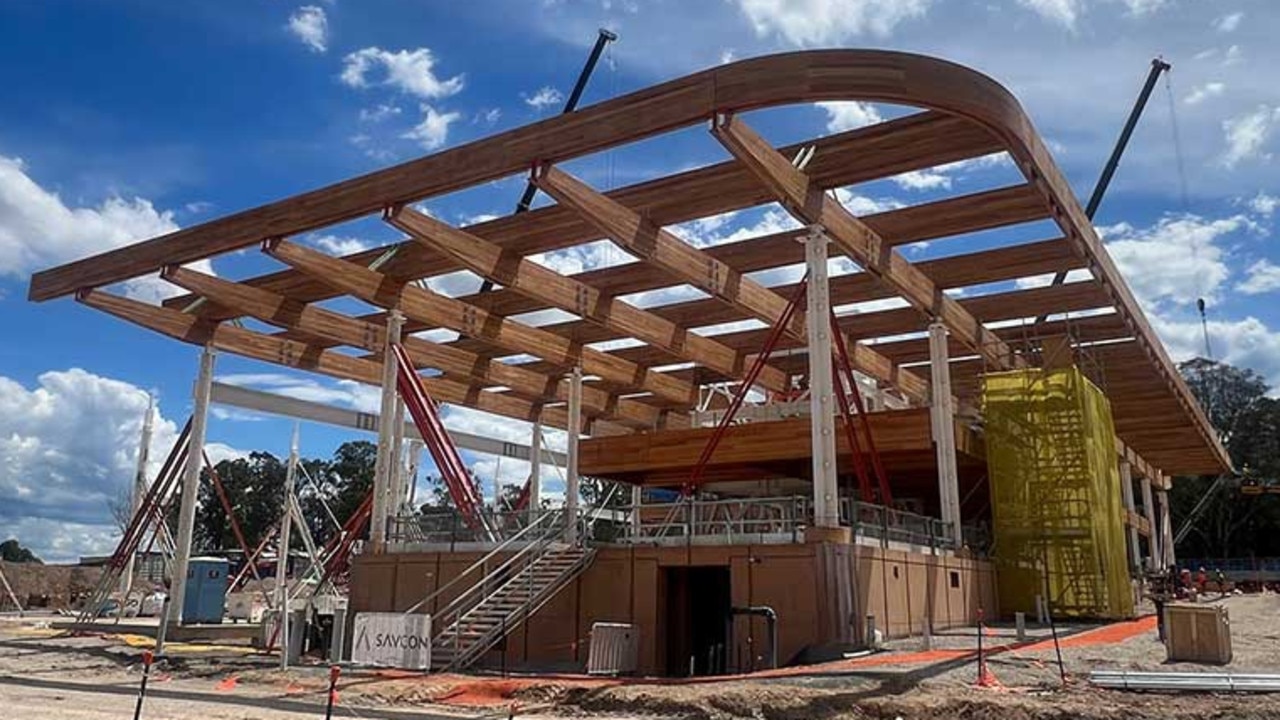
[(397, 640)]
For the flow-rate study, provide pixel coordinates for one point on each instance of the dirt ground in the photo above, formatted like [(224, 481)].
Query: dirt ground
[(49, 586), (96, 677)]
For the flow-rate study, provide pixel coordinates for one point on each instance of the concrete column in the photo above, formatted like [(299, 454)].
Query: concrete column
[(942, 421), (139, 488), (571, 462), (282, 555), (1154, 540), (190, 486), (826, 500), (535, 470), (637, 497), (385, 462), (1126, 490)]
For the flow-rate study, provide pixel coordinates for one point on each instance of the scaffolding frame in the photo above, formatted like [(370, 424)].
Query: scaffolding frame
[(1057, 509)]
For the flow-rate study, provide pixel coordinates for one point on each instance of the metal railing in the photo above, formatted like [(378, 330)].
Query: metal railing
[(439, 527), (727, 519)]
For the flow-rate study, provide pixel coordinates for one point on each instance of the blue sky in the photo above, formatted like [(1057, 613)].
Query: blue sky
[(122, 120)]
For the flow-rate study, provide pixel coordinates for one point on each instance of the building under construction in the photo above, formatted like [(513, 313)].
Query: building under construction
[(836, 469)]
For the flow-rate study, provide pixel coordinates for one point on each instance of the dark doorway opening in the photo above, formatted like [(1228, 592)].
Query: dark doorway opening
[(698, 620)]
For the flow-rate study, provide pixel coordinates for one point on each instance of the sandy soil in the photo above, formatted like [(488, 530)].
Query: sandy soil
[(92, 677)]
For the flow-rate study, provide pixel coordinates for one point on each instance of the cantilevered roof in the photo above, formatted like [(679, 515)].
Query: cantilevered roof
[(659, 375)]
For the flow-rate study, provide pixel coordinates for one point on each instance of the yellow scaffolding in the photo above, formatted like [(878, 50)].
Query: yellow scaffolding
[(1055, 493)]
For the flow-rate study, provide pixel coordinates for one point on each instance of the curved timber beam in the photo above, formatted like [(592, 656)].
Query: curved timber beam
[(310, 320), (812, 206), (514, 271), (433, 308), (691, 265), (250, 344)]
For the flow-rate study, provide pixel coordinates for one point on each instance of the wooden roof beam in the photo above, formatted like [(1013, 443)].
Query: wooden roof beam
[(255, 345), (811, 205), (909, 143), (429, 307), (312, 320), (655, 245), (518, 273)]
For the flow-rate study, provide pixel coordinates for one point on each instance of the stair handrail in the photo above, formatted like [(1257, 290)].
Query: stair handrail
[(536, 547), (526, 610), (483, 560)]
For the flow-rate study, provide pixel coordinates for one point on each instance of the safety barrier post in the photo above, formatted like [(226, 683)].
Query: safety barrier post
[(334, 672), (147, 659)]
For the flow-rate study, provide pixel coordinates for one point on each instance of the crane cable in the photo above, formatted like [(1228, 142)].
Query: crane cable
[(1185, 198)]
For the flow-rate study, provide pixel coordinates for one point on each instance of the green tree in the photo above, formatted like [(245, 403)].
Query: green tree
[(255, 489), (12, 551), (1232, 524)]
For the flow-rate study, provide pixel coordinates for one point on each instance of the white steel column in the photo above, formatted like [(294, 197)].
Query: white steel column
[(139, 488), (637, 497), (1154, 540), (1126, 489), (1166, 528), (384, 466), (282, 555), (571, 470), (396, 489), (190, 487), (942, 421), (535, 470), (822, 432), (409, 488)]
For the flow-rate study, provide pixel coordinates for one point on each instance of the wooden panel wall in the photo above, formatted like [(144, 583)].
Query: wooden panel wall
[(821, 592)]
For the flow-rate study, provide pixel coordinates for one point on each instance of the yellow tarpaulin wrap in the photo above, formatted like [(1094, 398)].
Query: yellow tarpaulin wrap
[(1055, 494)]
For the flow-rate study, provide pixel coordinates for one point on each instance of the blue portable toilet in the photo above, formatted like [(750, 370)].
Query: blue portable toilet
[(206, 593)]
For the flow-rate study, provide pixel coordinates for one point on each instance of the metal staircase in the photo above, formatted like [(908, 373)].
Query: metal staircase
[(528, 570)]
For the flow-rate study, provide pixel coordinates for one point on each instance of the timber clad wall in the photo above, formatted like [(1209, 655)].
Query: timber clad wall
[(821, 592)]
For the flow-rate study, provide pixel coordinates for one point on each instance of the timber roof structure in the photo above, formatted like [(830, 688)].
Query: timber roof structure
[(652, 383)]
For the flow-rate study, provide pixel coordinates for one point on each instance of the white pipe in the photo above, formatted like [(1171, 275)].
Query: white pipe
[(282, 555), (190, 487), (571, 471), (384, 465), (826, 504), (1185, 682), (139, 489)]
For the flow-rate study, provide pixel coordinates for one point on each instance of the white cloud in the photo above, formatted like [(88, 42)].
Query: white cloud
[(1247, 135), (1261, 277), (941, 176), (310, 25), (346, 393), (1176, 260), (340, 246), (827, 22), (433, 131), (1233, 56), (1264, 204), (1247, 342), (1068, 12), (1200, 93), (1228, 23), (38, 230), (726, 56), (488, 117), (1063, 12), (409, 71), (379, 112), (67, 447), (545, 97), (849, 115)]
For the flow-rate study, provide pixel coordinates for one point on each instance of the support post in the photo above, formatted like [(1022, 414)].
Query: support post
[(942, 422), (822, 406), (1155, 539), (385, 463), (1166, 531), (190, 487), (637, 497), (282, 555), (398, 487), (1126, 489), (571, 470), (139, 489), (535, 470)]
